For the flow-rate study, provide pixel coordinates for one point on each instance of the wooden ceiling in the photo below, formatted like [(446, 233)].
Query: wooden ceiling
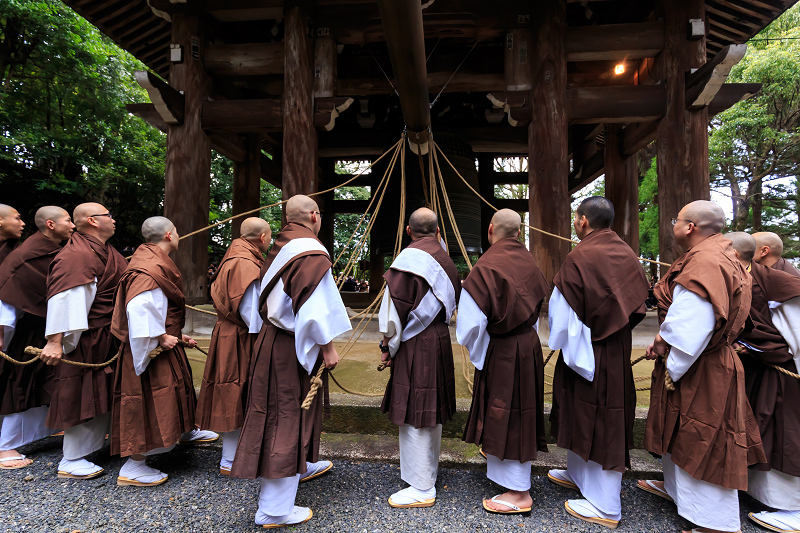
[(454, 24)]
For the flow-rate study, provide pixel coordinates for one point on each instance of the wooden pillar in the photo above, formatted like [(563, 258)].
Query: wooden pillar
[(548, 166), (325, 203), (622, 188), (247, 183), (299, 136), (188, 159), (325, 63), (682, 144), (486, 188)]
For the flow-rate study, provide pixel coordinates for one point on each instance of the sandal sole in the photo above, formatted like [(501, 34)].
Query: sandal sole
[(126, 482), (610, 524), (525, 511), (275, 526), (768, 526), (651, 490), (562, 482), (315, 476), (67, 475), (424, 503)]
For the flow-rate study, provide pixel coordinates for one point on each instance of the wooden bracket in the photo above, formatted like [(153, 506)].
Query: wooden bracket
[(326, 110), (168, 102), (704, 84)]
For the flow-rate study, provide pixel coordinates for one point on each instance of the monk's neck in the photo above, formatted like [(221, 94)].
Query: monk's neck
[(770, 261), (93, 235)]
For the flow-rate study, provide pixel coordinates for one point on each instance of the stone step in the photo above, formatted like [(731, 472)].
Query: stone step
[(362, 416)]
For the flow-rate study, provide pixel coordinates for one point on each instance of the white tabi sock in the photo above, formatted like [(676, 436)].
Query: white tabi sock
[(298, 515), (229, 442), (585, 508), (561, 474), (313, 468), (139, 471), (78, 467), (411, 495), (784, 520), (199, 434)]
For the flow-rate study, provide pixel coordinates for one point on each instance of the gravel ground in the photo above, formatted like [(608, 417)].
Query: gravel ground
[(351, 498)]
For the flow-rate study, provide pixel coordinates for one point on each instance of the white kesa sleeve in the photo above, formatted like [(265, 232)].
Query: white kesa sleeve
[(571, 336), (322, 318), (471, 329), (248, 308), (786, 318), (421, 316), (687, 328), (389, 322), (8, 321), (147, 317), (68, 313)]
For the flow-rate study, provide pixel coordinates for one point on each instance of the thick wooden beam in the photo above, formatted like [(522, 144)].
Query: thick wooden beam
[(168, 102), (405, 38), (622, 188), (623, 104), (636, 136), (682, 149), (548, 165), (148, 113), (730, 94), (350, 206), (271, 171), (251, 59), (591, 169), (299, 136), (520, 205), (615, 42), (247, 182), (242, 116), (325, 63), (188, 163), (244, 10), (229, 145)]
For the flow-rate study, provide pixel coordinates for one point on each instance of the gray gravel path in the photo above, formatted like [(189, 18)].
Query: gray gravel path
[(351, 498)]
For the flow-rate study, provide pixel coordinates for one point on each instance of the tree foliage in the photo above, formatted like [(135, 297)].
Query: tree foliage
[(65, 136), (754, 147)]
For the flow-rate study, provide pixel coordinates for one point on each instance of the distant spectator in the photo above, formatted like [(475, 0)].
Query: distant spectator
[(349, 284)]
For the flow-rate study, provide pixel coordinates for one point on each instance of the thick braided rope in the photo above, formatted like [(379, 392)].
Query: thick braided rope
[(37, 353), (158, 350), (316, 384), (776, 367)]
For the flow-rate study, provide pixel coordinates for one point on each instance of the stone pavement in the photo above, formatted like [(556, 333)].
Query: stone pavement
[(351, 498)]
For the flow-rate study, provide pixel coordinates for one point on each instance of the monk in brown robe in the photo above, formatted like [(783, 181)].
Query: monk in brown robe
[(11, 226), (154, 399), (80, 298), (774, 396), (234, 290), (25, 390), (422, 290), (598, 299), (704, 429), (499, 307), (769, 249), (302, 313)]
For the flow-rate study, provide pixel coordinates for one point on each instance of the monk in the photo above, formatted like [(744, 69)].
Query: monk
[(774, 341), (234, 290), (598, 299), (302, 313), (80, 297), (153, 398), (704, 429), (25, 390), (769, 249), (499, 307), (422, 290), (11, 226)]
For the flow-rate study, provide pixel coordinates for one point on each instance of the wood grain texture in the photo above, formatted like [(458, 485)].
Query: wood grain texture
[(188, 165), (622, 188), (548, 164)]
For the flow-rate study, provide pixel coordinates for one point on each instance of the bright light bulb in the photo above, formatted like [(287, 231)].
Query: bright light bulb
[(619, 69)]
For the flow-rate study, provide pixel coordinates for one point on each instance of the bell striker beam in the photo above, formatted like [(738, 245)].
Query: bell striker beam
[(622, 187), (682, 136), (405, 38), (548, 164), (299, 135), (188, 159)]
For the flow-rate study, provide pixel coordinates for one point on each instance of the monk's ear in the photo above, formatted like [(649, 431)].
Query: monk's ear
[(408, 230)]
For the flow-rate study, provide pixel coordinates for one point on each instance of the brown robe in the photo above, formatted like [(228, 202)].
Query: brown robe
[(278, 437), (223, 394), (6, 247), (80, 394), (773, 396), (422, 386), (154, 409), (507, 412), (604, 283), (706, 423), (785, 266), (23, 284)]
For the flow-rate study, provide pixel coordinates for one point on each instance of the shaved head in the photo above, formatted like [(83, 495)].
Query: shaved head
[(771, 240), (743, 243), (708, 217), (6, 210), (299, 208), (506, 224), (423, 222), (252, 228), (84, 211), (48, 212), (155, 228)]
